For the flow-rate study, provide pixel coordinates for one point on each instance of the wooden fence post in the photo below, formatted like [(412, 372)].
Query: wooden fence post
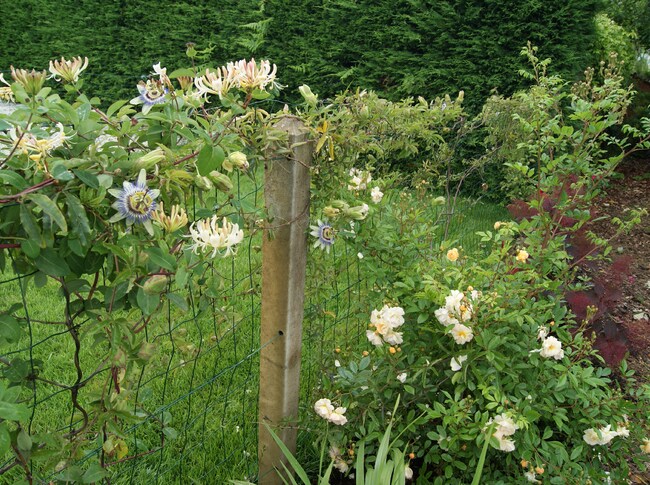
[(284, 255)]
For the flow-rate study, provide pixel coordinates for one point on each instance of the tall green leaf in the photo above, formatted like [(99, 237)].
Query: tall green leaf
[(50, 208)]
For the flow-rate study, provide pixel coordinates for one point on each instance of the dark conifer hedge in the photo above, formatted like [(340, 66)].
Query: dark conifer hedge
[(397, 47)]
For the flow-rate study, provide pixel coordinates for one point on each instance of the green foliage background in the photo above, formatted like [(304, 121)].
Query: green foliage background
[(398, 47)]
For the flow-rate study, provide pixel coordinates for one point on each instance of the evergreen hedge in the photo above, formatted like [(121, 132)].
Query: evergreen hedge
[(398, 47)]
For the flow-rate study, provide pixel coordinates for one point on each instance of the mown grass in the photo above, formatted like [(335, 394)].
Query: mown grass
[(202, 379)]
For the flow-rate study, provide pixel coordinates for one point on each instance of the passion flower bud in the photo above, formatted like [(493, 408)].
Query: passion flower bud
[(150, 159), (155, 285), (221, 181), (236, 160), (358, 212), (203, 183), (331, 212)]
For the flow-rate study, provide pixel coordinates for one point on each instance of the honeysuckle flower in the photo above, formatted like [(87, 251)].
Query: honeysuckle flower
[(552, 347), (376, 195), (542, 332), (152, 92), (602, 436), (251, 76), (402, 377), (497, 225), (457, 362), (68, 71), (162, 73), (135, 202), (324, 234), (217, 82), (408, 472), (645, 447), (6, 94), (337, 363), (522, 255), (360, 255), (461, 333), (209, 236), (452, 254), (173, 222), (185, 82), (32, 81), (28, 143)]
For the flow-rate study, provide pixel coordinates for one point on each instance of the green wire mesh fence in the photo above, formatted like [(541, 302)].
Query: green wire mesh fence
[(193, 402)]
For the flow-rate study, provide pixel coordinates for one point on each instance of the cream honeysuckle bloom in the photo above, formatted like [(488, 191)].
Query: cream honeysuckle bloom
[(209, 236), (68, 71), (251, 76), (217, 82)]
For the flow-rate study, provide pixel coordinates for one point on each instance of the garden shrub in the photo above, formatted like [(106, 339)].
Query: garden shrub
[(496, 376)]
